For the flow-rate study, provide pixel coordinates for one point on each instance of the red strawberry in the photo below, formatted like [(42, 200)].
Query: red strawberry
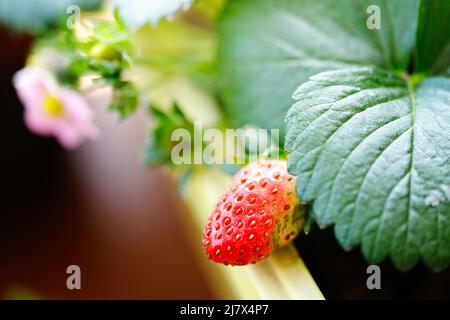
[(259, 212)]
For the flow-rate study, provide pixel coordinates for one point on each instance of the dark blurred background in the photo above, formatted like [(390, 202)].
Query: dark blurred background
[(95, 207), (99, 209)]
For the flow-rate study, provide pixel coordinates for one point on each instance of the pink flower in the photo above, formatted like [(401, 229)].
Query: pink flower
[(51, 110)]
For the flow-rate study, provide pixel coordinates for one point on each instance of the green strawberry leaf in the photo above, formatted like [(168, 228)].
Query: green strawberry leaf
[(125, 98), (371, 151), (159, 144), (433, 36), (268, 47)]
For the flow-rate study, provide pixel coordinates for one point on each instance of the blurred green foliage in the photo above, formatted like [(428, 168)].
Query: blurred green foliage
[(36, 16)]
